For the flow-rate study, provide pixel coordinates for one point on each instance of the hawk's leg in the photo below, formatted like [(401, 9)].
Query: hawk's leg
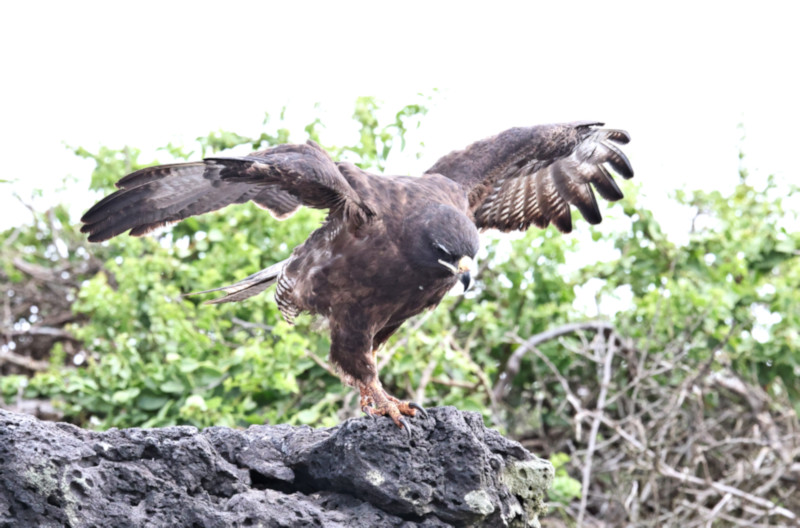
[(375, 401), (352, 351)]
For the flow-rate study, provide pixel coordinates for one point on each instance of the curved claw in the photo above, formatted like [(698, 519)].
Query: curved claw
[(405, 425), (415, 405), (365, 409)]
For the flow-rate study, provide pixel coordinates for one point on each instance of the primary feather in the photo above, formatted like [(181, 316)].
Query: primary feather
[(530, 176)]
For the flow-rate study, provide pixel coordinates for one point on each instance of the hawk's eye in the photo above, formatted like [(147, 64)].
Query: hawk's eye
[(443, 252)]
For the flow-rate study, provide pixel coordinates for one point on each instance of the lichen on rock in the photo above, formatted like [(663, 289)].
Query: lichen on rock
[(452, 471)]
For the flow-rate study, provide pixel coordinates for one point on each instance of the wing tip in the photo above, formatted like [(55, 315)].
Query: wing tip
[(96, 234), (618, 136), (96, 238), (563, 223), (586, 124)]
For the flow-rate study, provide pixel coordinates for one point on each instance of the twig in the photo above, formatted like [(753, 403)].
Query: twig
[(37, 272), (13, 238), (482, 377), (455, 383), (601, 402), (772, 509), (571, 398), (23, 361), (48, 331), (716, 509), (515, 361), (419, 395), (251, 325), (322, 363), (388, 352)]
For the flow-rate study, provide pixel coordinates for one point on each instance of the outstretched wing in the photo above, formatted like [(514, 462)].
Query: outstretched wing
[(279, 179), (532, 175)]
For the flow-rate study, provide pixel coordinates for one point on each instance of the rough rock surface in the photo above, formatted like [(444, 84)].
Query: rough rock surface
[(453, 471)]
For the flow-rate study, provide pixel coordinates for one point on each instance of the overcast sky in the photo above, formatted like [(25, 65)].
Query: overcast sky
[(680, 77)]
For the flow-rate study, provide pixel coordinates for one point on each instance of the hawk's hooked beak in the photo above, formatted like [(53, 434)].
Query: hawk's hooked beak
[(463, 269), (466, 280)]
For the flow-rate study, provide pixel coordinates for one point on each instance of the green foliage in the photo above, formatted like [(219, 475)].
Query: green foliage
[(565, 488), (729, 295), (110, 164), (376, 140), (11, 386)]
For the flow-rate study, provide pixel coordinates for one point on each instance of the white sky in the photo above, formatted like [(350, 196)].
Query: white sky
[(679, 76)]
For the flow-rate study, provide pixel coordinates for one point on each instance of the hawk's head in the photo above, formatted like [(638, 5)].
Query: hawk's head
[(442, 242)]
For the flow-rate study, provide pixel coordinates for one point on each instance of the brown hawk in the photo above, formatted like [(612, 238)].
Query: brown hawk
[(391, 246)]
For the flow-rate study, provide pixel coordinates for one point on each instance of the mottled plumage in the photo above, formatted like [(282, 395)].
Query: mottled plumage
[(391, 246)]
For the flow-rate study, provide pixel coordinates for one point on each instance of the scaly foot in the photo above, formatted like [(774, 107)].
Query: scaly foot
[(375, 401)]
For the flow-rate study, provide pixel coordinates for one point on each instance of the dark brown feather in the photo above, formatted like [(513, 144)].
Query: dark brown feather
[(527, 176), (281, 179), (280, 203), (578, 194)]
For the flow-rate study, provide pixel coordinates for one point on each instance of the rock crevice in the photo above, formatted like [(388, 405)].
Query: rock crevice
[(453, 471)]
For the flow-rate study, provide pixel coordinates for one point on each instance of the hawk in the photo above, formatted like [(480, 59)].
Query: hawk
[(390, 246)]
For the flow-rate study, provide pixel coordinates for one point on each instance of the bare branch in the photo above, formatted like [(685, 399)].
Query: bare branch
[(515, 361), (419, 395), (23, 361), (772, 509), (601, 402), (322, 363)]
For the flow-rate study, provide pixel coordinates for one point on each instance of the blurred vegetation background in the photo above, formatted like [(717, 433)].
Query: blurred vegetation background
[(679, 382)]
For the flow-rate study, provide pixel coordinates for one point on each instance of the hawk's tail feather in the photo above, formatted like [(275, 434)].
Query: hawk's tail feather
[(247, 287)]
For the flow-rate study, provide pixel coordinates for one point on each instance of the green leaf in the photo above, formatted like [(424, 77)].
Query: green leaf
[(151, 402), (206, 375), (188, 365), (172, 386), (125, 396)]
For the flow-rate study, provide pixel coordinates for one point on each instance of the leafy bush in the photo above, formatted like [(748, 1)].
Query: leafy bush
[(565, 488)]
